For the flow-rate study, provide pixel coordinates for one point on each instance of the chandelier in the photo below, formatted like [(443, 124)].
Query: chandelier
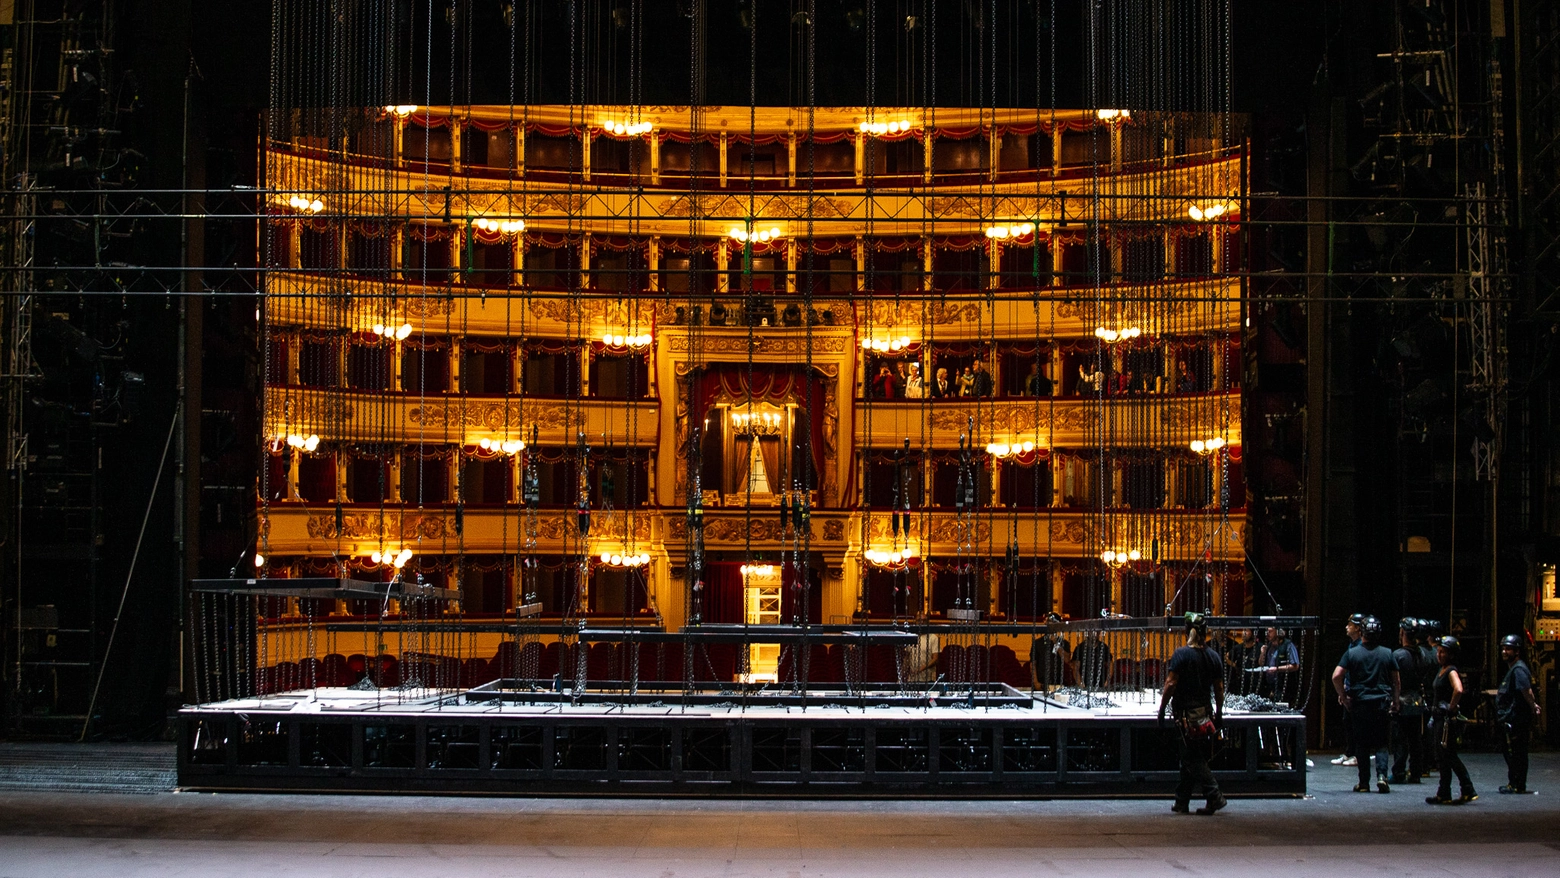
[(633, 342), (1010, 230), (757, 571), (625, 562), (892, 559), (1117, 558), (499, 226), (756, 424), (1208, 446), (747, 233), (307, 443), (883, 129), (1205, 214), (1111, 336), (1005, 450), (509, 447), (626, 129)]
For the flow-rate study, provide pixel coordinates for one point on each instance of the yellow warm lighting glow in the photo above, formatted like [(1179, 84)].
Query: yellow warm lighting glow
[(304, 204), (401, 110), (883, 129), (1113, 115), (1010, 230), (1111, 336), (500, 225), (626, 129), (757, 236)]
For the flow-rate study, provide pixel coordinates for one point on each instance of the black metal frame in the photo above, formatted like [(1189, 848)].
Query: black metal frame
[(702, 753)]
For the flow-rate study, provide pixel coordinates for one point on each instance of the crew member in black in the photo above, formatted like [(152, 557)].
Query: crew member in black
[(1516, 708), (1445, 693), (1408, 743), (1366, 680), (1351, 629), (1194, 688)]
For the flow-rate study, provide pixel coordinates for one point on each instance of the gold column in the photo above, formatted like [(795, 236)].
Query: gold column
[(722, 264), (861, 158), (723, 148), (790, 141), (585, 138), (926, 155)]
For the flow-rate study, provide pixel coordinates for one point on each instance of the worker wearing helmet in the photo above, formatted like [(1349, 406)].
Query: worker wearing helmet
[(1515, 708)]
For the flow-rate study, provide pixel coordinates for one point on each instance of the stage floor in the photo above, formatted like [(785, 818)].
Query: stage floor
[(509, 739)]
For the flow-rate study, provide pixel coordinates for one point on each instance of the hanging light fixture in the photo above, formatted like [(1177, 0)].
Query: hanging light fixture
[(626, 562), (632, 342), (894, 559), (1117, 558), (1206, 447), (1113, 115), (626, 129), (756, 235), (756, 424), (884, 129), (499, 225), (305, 204), (400, 111), (1206, 213), (1004, 231), (757, 571), (307, 443), (509, 447), (1005, 450), (1112, 336), (890, 344), (399, 333)]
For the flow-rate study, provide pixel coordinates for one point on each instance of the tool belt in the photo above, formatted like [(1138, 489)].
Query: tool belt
[(1197, 724)]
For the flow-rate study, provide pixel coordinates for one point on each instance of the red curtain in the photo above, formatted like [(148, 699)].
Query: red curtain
[(723, 597)]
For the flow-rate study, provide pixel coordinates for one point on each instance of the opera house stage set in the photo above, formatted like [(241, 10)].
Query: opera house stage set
[(793, 451)]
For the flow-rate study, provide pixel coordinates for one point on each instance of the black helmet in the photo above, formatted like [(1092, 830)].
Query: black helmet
[(1513, 641), (1371, 628), (1357, 619), (1409, 624), (1197, 621), (1449, 643)]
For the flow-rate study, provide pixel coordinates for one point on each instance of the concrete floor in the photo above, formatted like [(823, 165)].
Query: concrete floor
[(1333, 832)]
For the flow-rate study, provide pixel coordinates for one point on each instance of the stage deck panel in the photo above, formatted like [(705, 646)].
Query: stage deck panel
[(716, 743)]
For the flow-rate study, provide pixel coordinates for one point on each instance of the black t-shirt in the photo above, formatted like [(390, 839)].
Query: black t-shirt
[(1093, 658), (1049, 668), (1195, 669), (1411, 672), (1510, 704), (1369, 672)]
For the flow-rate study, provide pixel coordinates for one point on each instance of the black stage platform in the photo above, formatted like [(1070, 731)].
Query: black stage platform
[(515, 738)]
